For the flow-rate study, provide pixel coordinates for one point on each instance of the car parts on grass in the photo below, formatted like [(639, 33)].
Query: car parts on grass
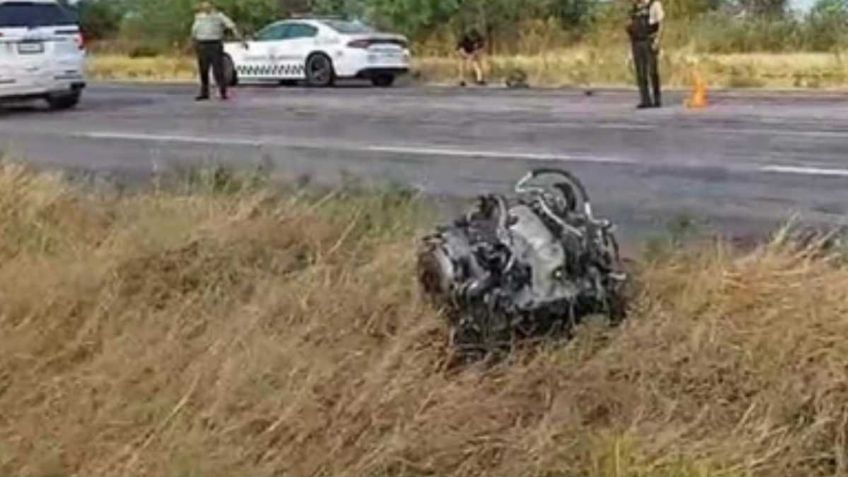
[(529, 266)]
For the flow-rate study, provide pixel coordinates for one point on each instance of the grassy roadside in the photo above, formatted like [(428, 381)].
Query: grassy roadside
[(579, 67), (215, 326)]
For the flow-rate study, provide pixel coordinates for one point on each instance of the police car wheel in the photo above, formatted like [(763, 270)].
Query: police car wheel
[(383, 80), (319, 70), (230, 74)]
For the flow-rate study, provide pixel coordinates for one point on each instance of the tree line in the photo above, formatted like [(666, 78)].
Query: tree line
[(711, 25)]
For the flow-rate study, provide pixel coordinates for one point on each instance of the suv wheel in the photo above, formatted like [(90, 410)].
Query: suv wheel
[(64, 101)]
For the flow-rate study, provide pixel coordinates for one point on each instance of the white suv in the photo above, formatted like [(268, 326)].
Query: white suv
[(42, 53)]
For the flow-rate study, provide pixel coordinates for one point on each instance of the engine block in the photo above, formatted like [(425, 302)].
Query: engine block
[(529, 266)]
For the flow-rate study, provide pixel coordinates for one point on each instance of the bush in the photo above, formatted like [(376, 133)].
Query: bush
[(168, 22), (100, 19), (144, 51), (511, 26), (826, 24), (718, 33)]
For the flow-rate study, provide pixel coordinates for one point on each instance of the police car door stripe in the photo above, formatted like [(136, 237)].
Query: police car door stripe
[(271, 70)]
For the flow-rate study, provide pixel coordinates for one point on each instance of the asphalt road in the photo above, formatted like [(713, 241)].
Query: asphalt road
[(743, 165)]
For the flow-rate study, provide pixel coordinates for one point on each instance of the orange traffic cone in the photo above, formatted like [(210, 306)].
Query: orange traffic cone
[(698, 98)]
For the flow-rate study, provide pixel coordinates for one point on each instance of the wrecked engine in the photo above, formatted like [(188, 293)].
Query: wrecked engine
[(526, 267)]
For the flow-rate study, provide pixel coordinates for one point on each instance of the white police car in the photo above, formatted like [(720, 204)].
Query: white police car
[(318, 51), (42, 55)]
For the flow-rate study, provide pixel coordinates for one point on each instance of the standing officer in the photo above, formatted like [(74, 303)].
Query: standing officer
[(645, 29), (208, 35)]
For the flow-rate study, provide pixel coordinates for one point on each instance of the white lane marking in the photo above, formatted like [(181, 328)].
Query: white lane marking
[(172, 138), (421, 151), (809, 171), (594, 125), (596, 159), (449, 152), (435, 151), (774, 132), (255, 142)]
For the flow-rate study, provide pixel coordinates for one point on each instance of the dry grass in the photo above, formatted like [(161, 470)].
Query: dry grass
[(239, 332), (580, 67), (115, 67), (572, 67)]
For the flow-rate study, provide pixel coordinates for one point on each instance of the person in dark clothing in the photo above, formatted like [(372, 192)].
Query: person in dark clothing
[(470, 50), (645, 29), (208, 35)]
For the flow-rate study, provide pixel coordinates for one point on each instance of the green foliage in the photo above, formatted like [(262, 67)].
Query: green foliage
[(765, 8), (510, 26), (349, 8), (689, 9), (251, 15), (822, 30), (168, 22), (160, 22), (288, 7), (720, 33), (573, 13), (497, 18), (413, 17), (827, 21), (144, 51), (100, 19)]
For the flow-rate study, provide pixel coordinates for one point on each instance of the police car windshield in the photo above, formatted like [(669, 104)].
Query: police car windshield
[(29, 14), (349, 27)]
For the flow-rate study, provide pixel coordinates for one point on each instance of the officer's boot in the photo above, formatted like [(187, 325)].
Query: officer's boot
[(203, 94), (657, 90), (204, 86)]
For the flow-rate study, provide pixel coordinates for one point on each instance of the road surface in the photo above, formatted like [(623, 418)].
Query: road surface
[(744, 164)]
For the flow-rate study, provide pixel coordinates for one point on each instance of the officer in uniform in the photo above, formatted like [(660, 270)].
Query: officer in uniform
[(208, 35), (645, 29)]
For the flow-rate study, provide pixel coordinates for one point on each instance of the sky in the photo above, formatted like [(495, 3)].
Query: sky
[(801, 4)]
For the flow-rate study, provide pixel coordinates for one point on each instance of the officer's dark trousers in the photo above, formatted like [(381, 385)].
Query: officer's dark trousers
[(647, 72), (211, 54)]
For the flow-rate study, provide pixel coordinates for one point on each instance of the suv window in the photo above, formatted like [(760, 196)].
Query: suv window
[(300, 30), (29, 14)]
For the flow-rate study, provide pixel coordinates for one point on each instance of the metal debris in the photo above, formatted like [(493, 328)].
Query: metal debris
[(534, 265)]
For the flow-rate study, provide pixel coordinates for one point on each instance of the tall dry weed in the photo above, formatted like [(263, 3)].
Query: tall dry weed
[(249, 333)]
